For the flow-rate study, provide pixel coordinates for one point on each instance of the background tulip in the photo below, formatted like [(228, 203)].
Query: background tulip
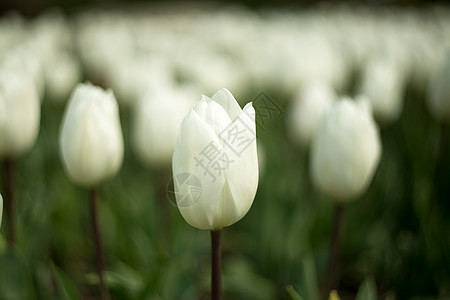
[(227, 188), (157, 118), (92, 150), (62, 73), (346, 151), (309, 107), (91, 140), (19, 114), (383, 82)]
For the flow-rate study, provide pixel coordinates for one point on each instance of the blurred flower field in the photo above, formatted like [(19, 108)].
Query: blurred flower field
[(396, 234)]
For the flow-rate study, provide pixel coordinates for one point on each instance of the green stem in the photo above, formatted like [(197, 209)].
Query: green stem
[(10, 200), (216, 281), (334, 262), (104, 292)]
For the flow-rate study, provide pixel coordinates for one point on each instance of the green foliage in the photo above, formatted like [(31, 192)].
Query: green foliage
[(367, 290), (68, 290)]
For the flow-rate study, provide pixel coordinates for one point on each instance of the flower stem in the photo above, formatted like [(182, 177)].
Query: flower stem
[(9, 200), (334, 262), (439, 179), (104, 292), (216, 281)]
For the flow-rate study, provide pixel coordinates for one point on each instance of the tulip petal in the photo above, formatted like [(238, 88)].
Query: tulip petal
[(227, 101), (240, 147), (200, 107), (191, 157), (216, 117), (227, 209)]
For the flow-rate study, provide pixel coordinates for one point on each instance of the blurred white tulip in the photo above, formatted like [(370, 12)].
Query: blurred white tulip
[(61, 76), (346, 151), (309, 107), (24, 59), (438, 99), (156, 121), (91, 141), (383, 82), (132, 78), (20, 113), (216, 146)]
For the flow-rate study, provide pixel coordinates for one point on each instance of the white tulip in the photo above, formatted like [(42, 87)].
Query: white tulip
[(383, 83), (346, 151), (157, 118), (439, 92), (20, 113), (91, 141), (309, 107), (216, 147)]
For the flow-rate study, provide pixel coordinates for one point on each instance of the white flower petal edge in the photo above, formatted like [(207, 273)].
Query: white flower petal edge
[(227, 101)]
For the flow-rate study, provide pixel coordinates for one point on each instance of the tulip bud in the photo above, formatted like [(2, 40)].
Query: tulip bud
[(309, 108), (157, 118), (20, 113), (346, 151), (439, 91), (91, 141), (216, 147)]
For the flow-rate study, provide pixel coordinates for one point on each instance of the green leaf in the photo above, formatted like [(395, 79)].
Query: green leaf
[(293, 293), (15, 279), (68, 289), (367, 290), (310, 278)]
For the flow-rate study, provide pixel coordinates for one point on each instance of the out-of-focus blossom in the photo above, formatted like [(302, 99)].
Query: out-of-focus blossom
[(157, 118), (61, 76), (91, 141), (20, 113), (308, 109), (132, 78), (383, 83), (28, 62), (346, 151)]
